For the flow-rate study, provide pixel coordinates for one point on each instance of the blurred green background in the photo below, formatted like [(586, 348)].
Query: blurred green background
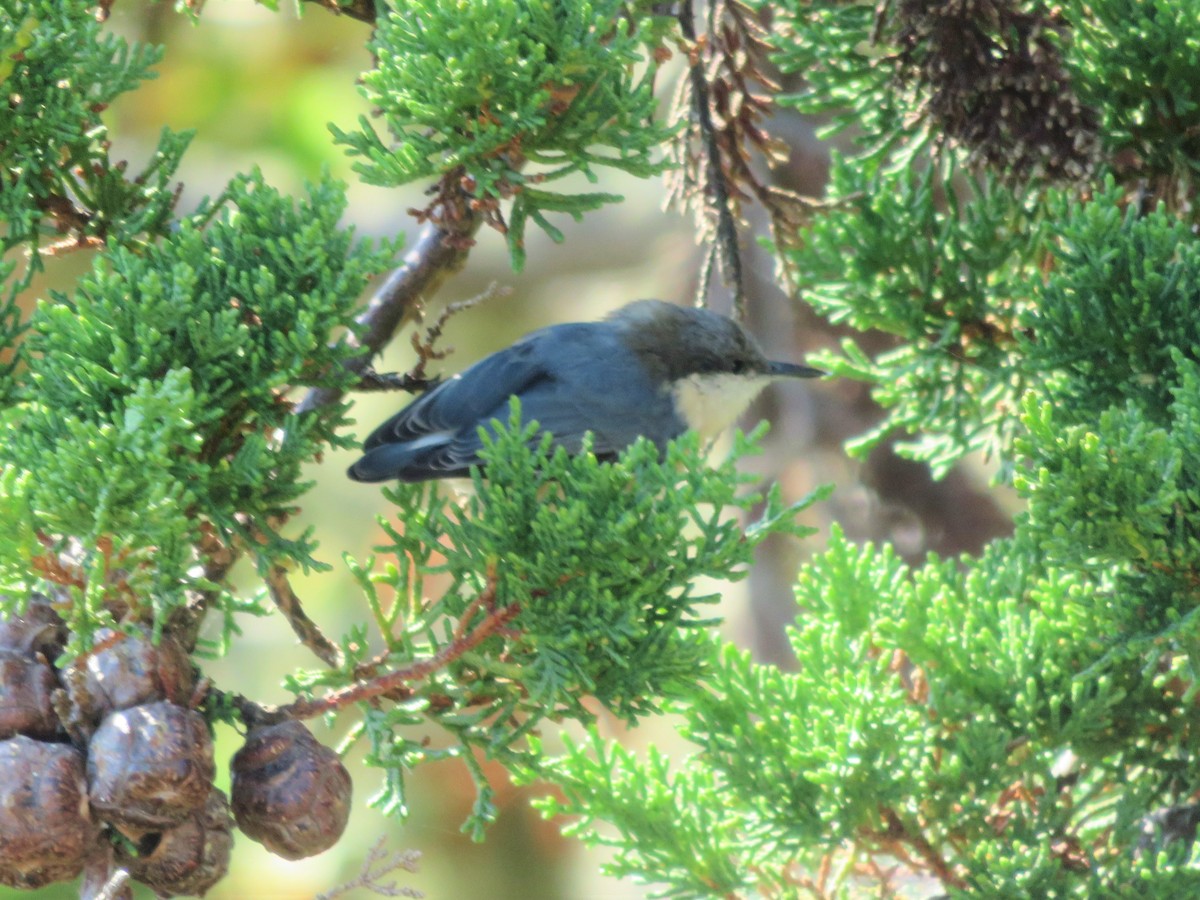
[(259, 88)]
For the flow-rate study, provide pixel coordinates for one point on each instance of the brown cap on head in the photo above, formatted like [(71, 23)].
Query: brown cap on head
[(675, 342)]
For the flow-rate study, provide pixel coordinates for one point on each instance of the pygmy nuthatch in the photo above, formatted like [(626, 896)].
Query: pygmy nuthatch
[(651, 369)]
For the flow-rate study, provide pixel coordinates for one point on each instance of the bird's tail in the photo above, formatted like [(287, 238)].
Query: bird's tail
[(385, 462)]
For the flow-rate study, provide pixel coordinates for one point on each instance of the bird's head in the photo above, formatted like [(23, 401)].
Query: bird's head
[(712, 367)]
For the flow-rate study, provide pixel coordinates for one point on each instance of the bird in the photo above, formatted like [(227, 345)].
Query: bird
[(651, 369)]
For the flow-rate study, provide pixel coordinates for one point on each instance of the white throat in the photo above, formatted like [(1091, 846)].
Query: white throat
[(711, 403)]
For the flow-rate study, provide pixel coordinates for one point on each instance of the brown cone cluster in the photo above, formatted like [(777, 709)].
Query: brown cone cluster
[(106, 759), (994, 80)]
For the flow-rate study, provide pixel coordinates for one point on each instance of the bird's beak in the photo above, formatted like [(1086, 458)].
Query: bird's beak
[(791, 370)]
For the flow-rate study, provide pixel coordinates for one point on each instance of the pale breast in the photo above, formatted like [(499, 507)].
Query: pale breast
[(711, 403)]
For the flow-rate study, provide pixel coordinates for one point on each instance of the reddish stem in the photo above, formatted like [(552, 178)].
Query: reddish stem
[(384, 684), (924, 849)]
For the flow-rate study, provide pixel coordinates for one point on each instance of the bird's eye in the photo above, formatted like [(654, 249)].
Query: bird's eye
[(738, 367)]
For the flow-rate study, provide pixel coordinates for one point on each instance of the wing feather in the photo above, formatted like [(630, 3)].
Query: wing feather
[(571, 379), (460, 402)]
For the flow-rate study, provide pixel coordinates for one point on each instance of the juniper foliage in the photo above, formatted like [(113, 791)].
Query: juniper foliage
[(1016, 210), (502, 98), (152, 434), (605, 563)]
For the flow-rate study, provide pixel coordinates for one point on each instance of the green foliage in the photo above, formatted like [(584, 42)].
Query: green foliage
[(1110, 491), (602, 561), (917, 244), (952, 260), (58, 72), (988, 709), (170, 365), (853, 86), (1117, 310), (674, 828), (1136, 61), (18, 531), (53, 144), (946, 273), (1007, 724), (478, 90), (1109, 455)]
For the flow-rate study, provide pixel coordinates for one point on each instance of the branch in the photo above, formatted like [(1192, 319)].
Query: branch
[(363, 10), (370, 380), (66, 215), (728, 98), (440, 252), (898, 830), (306, 629), (389, 683), (356, 693)]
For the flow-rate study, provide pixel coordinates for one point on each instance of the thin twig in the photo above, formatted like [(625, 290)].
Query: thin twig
[(482, 599), (305, 629), (417, 379), (70, 244), (114, 886), (356, 693), (727, 232), (924, 849), (378, 863), (103, 878), (362, 10), (391, 684), (393, 381), (426, 349), (216, 558), (440, 252)]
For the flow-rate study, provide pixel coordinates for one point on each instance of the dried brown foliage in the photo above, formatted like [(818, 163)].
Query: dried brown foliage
[(727, 100)]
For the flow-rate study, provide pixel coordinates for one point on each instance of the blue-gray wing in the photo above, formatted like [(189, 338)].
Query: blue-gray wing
[(465, 401)]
